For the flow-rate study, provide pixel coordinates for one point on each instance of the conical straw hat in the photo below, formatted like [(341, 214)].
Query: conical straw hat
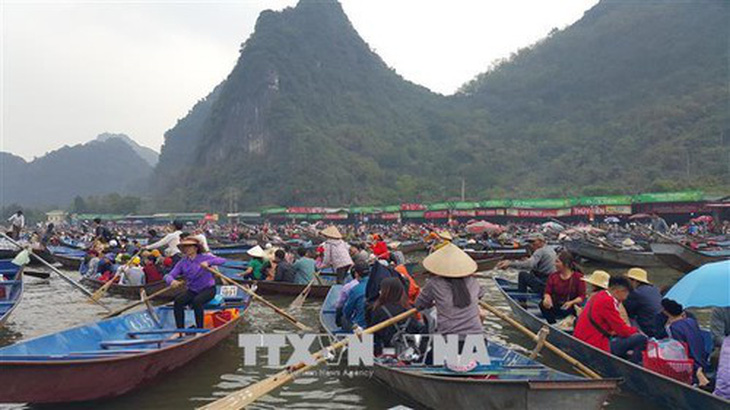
[(450, 262), (598, 278), (331, 232), (446, 235), (256, 252)]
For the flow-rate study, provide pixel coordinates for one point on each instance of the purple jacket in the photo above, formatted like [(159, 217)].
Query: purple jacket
[(196, 277), (722, 385)]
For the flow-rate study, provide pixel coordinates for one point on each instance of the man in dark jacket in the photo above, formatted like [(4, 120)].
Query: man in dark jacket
[(644, 302)]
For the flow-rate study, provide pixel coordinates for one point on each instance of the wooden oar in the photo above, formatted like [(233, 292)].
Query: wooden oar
[(254, 295), (248, 395), (575, 363), (56, 271), (299, 301), (103, 289), (137, 303)]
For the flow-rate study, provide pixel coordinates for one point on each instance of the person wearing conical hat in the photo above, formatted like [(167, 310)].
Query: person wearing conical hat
[(644, 302), (599, 281), (257, 265), (336, 253), (453, 290)]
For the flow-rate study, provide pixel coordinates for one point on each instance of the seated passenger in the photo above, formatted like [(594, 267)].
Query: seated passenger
[(685, 329), (151, 272), (644, 301), (353, 311), (358, 270), (392, 302), (563, 291), (284, 270), (132, 274), (304, 267), (600, 324)]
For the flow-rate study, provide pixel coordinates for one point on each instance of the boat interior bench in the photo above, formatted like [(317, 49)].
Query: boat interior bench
[(166, 331), (137, 342)]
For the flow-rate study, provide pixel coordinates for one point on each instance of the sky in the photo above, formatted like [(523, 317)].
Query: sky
[(74, 69)]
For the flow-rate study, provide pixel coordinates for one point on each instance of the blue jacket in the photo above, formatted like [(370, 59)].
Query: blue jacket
[(642, 305), (354, 308)]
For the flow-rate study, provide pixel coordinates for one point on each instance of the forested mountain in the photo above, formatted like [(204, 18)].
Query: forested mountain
[(631, 97), (95, 168), (148, 154)]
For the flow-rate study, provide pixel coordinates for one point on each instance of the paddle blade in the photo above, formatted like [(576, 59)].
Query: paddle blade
[(242, 398)]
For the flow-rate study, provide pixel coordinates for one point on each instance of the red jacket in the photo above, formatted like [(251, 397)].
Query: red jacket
[(603, 309), (380, 249)]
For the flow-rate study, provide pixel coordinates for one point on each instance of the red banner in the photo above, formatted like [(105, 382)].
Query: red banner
[(335, 216), (390, 215), (412, 207), (602, 210), (436, 214), (490, 212), (464, 213)]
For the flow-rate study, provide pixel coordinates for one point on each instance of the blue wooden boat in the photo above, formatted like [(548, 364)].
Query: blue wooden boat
[(660, 389), (510, 381), (111, 357), (69, 257), (13, 286)]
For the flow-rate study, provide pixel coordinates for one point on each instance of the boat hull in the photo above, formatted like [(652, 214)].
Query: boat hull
[(613, 256), (434, 391), (682, 258), (267, 287), (653, 386), (132, 292), (14, 292)]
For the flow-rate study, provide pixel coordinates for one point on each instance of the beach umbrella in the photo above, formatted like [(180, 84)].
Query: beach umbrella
[(612, 220), (483, 226), (703, 219), (640, 216), (706, 286)]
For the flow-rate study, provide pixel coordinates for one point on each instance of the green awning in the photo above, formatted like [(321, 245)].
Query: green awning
[(604, 200), (412, 214), (686, 196), (495, 203), (272, 211), (391, 208), (466, 205), (439, 206), (550, 203)]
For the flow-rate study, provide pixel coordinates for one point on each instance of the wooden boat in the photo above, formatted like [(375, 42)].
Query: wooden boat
[(493, 253), (233, 250), (108, 358), (483, 265), (232, 269), (412, 246), (683, 258), (130, 291), (511, 381), (659, 389), (13, 286), (70, 258), (616, 257)]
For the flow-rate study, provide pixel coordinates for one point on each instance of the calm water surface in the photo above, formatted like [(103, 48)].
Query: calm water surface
[(52, 305)]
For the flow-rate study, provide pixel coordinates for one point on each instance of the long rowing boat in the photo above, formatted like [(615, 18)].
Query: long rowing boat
[(684, 258), (616, 257), (71, 258), (660, 389), (232, 270), (132, 291), (13, 289), (111, 357), (511, 380)]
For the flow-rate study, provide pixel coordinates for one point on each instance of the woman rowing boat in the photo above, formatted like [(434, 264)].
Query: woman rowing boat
[(200, 282)]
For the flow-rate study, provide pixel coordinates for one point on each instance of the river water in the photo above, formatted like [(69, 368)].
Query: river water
[(52, 305)]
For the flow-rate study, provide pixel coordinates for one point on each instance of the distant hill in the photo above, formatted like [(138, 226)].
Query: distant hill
[(631, 97), (148, 154), (97, 167)]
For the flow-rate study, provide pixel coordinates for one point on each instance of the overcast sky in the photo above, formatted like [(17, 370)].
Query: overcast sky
[(74, 69)]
